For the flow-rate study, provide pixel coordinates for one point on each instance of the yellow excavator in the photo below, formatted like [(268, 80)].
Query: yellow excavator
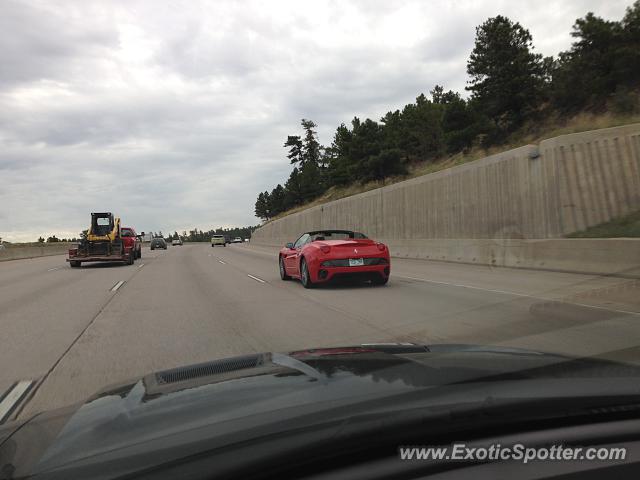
[(102, 243), (104, 228)]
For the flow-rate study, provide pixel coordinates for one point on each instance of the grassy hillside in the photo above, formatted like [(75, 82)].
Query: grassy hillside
[(622, 227), (532, 133)]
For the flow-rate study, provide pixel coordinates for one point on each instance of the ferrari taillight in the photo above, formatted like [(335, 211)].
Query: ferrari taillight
[(325, 248), (381, 247)]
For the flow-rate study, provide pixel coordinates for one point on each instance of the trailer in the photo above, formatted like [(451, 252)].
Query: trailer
[(103, 242)]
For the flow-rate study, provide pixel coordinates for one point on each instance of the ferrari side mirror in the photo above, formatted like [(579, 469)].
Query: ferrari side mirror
[(289, 245)]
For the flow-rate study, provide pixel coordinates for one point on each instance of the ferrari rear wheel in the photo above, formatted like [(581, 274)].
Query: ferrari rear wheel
[(283, 271), (305, 278)]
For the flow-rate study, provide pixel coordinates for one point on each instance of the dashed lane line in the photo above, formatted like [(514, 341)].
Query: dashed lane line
[(13, 397)]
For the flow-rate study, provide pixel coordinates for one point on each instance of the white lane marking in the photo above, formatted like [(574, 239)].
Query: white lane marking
[(256, 278), (53, 269), (466, 286), (117, 285), (224, 263), (141, 265), (13, 397), (262, 253), (506, 292)]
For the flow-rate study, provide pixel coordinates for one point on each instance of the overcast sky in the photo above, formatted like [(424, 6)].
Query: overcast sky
[(173, 114)]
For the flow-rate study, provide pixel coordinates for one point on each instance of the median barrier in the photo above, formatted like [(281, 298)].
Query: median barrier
[(33, 251)]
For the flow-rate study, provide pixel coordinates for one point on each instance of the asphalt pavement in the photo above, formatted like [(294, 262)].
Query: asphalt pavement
[(75, 331)]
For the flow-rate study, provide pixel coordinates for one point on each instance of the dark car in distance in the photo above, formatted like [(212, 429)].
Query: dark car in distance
[(158, 242)]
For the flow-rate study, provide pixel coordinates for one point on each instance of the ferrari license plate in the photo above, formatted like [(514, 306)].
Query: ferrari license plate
[(356, 262)]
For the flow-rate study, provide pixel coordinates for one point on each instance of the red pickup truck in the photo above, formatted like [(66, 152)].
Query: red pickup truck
[(131, 239)]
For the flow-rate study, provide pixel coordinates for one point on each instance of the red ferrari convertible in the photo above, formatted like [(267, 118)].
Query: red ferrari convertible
[(324, 255)]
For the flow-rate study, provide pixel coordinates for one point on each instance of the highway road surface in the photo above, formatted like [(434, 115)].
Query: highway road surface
[(74, 331)]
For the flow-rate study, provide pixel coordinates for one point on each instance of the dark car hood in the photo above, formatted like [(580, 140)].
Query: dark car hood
[(179, 412)]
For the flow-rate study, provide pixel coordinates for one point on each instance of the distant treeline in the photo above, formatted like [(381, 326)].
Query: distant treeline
[(194, 235), (54, 239), (510, 86), (197, 235)]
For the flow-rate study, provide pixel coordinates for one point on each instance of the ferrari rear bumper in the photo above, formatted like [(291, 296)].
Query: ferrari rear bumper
[(370, 272)]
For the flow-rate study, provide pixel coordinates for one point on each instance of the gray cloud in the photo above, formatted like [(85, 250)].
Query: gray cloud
[(173, 115), (46, 42)]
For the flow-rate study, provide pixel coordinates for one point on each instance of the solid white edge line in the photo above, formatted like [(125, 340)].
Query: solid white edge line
[(117, 286), (505, 292), (467, 286), (13, 397), (256, 278)]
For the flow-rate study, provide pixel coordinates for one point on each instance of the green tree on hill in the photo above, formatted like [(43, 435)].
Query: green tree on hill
[(422, 129), (603, 60), (507, 78), (262, 206), (311, 148), (511, 88), (295, 154), (277, 199), (294, 189), (340, 170)]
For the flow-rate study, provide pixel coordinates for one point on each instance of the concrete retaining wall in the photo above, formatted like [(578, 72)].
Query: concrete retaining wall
[(593, 177), (602, 256), (566, 184), (608, 256), (530, 193), (32, 251)]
